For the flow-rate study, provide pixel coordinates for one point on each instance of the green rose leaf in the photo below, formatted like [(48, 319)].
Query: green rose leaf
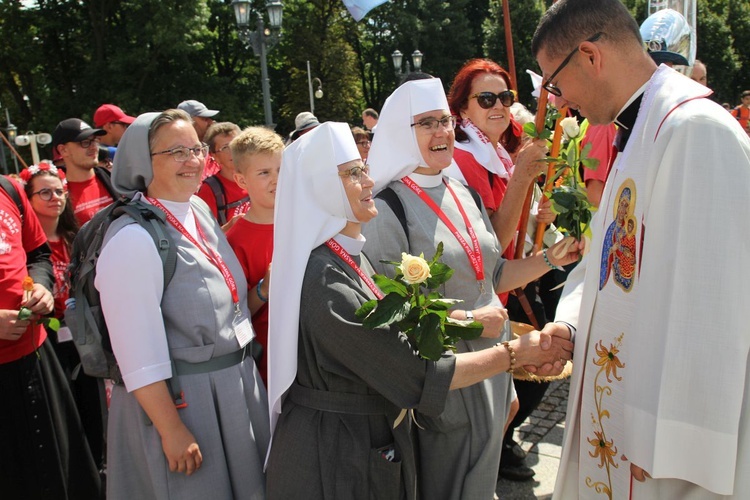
[(24, 313), (461, 329), (440, 274), (429, 337), (51, 323), (388, 285), (366, 308), (393, 307)]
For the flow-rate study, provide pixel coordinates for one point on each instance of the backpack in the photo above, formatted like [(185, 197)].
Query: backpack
[(222, 207), (13, 193), (84, 315)]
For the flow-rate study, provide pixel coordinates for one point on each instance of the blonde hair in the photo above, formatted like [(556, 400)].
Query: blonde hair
[(253, 141), (217, 129)]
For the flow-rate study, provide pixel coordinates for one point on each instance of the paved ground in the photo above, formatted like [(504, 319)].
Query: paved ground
[(541, 436)]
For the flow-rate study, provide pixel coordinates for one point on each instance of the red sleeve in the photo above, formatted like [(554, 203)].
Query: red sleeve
[(601, 138), (206, 194)]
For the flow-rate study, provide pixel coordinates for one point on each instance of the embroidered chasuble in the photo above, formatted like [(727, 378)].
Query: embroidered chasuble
[(604, 470)]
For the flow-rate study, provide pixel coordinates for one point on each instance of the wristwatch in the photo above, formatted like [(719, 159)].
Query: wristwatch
[(469, 315)]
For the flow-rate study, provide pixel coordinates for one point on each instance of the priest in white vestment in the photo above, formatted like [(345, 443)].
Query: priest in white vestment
[(659, 402)]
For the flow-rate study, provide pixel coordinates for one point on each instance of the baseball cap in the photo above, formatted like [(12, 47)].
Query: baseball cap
[(197, 108), (73, 130), (108, 113)]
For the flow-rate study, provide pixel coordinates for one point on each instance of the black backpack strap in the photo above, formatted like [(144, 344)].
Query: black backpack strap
[(221, 199), (13, 193), (391, 199), (475, 195), (153, 220), (105, 177)]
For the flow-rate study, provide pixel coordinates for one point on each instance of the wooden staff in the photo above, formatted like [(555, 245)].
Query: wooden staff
[(541, 114), (13, 150), (555, 152), (509, 44)]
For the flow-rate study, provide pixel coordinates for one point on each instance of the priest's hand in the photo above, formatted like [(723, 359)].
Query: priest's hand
[(549, 361), (548, 333)]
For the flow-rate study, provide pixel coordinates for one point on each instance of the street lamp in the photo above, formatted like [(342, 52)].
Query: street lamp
[(10, 132), (318, 91), (260, 40), (32, 139), (416, 58)]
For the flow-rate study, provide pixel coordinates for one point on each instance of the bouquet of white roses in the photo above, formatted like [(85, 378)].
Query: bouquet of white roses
[(412, 304), (569, 199)]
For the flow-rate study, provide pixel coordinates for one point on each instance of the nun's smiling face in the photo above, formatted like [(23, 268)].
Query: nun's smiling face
[(176, 175), (358, 186), (435, 137)]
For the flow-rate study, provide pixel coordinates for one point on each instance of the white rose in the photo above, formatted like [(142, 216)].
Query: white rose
[(570, 127), (415, 269)]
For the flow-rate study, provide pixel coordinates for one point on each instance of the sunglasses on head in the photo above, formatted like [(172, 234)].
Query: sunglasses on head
[(488, 99)]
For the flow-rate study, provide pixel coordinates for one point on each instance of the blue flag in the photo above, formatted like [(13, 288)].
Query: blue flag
[(359, 8)]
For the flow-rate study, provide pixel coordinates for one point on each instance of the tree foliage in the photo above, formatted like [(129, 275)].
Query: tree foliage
[(63, 58)]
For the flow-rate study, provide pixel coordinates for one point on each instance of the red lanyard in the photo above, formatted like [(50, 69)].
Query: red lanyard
[(474, 254), (213, 257), (339, 250)]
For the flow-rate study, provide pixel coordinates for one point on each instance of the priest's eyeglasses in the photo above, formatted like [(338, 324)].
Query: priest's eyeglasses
[(551, 87)]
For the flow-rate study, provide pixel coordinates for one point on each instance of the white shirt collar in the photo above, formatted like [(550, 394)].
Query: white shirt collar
[(426, 181), (351, 245)]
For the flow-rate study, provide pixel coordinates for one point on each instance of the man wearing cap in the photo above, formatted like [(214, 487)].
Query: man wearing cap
[(113, 121), (659, 402), (202, 119), (201, 115), (303, 123), (89, 186)]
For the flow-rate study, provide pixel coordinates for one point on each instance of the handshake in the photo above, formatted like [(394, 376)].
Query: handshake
[(544, 353)]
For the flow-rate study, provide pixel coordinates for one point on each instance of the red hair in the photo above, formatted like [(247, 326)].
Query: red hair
[(458, 99)]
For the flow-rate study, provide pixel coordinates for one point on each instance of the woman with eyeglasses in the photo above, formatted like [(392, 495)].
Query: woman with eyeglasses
[(459, 448), (190, 420), (336, 388)]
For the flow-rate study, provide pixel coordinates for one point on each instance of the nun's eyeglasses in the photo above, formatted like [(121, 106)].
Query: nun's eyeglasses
[(355, 173), (182, 154), (432, 125)]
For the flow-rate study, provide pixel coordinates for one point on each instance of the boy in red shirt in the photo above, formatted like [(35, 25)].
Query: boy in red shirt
[(222, 194), (257, 159)]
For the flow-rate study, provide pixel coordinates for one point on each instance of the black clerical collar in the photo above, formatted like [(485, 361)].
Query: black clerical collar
[(625, 121)]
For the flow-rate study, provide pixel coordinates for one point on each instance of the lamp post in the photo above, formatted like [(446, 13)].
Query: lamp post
[(31, 139), (10, 132), (398, 57), (318, 91), (260, 40)]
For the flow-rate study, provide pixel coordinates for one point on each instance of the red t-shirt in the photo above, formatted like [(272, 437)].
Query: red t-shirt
[(210, 167), (60, 261), (601, 138), (232, 192), (492, 194), (253, 245), (743, 115), (15, 241), (88, 197)]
